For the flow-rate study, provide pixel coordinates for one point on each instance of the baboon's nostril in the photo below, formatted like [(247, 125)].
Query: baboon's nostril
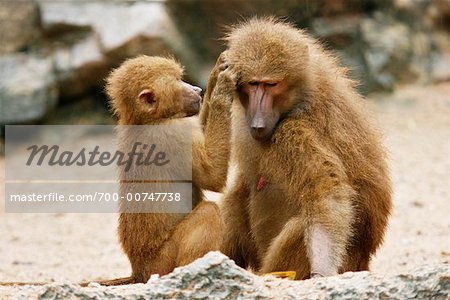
[(197, 90)]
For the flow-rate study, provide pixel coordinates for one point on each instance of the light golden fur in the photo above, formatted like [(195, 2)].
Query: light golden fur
[(324, 164)]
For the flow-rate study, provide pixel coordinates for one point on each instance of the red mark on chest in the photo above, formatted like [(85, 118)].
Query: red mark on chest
[(261, 183)]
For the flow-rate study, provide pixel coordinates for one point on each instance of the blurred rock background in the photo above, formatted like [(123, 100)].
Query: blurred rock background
[(55, 54)]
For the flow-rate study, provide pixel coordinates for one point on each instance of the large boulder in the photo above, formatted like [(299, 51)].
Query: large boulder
[(217, 277), (394, 52), (441, 66), (27, 88), (79, 65), (114, 23), (379, 50)]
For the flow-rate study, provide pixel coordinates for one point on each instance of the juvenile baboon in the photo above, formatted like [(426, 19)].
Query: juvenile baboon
[(150, 91), (312, 192)]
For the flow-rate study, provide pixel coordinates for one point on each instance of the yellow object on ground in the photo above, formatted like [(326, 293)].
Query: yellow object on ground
[(286, 274)]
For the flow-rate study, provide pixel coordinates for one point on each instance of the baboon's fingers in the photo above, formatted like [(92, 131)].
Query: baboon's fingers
[(226, 83)]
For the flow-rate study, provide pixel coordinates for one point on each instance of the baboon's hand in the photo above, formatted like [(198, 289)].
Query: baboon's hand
[(221, 65), (212, 97), (228, 79), (222, 61), (225, 89)]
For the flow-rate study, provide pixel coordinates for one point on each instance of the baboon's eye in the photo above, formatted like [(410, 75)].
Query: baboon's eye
[(271, 84), (253, 83)]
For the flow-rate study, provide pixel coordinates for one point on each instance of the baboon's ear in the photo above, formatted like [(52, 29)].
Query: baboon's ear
[(147, 97)]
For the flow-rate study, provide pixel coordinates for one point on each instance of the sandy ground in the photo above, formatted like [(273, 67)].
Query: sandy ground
[(416, 122)]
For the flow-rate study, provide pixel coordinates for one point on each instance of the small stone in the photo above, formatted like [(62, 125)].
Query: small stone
[(94, 285)]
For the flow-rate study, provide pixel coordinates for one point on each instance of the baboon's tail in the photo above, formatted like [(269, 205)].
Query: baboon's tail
[(117, 281)]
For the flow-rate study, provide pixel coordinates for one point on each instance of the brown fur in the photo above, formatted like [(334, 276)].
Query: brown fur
[(156, 243), (325, 204)]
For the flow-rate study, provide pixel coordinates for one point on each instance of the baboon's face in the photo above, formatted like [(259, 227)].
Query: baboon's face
[(263, 100), (171, 98)]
